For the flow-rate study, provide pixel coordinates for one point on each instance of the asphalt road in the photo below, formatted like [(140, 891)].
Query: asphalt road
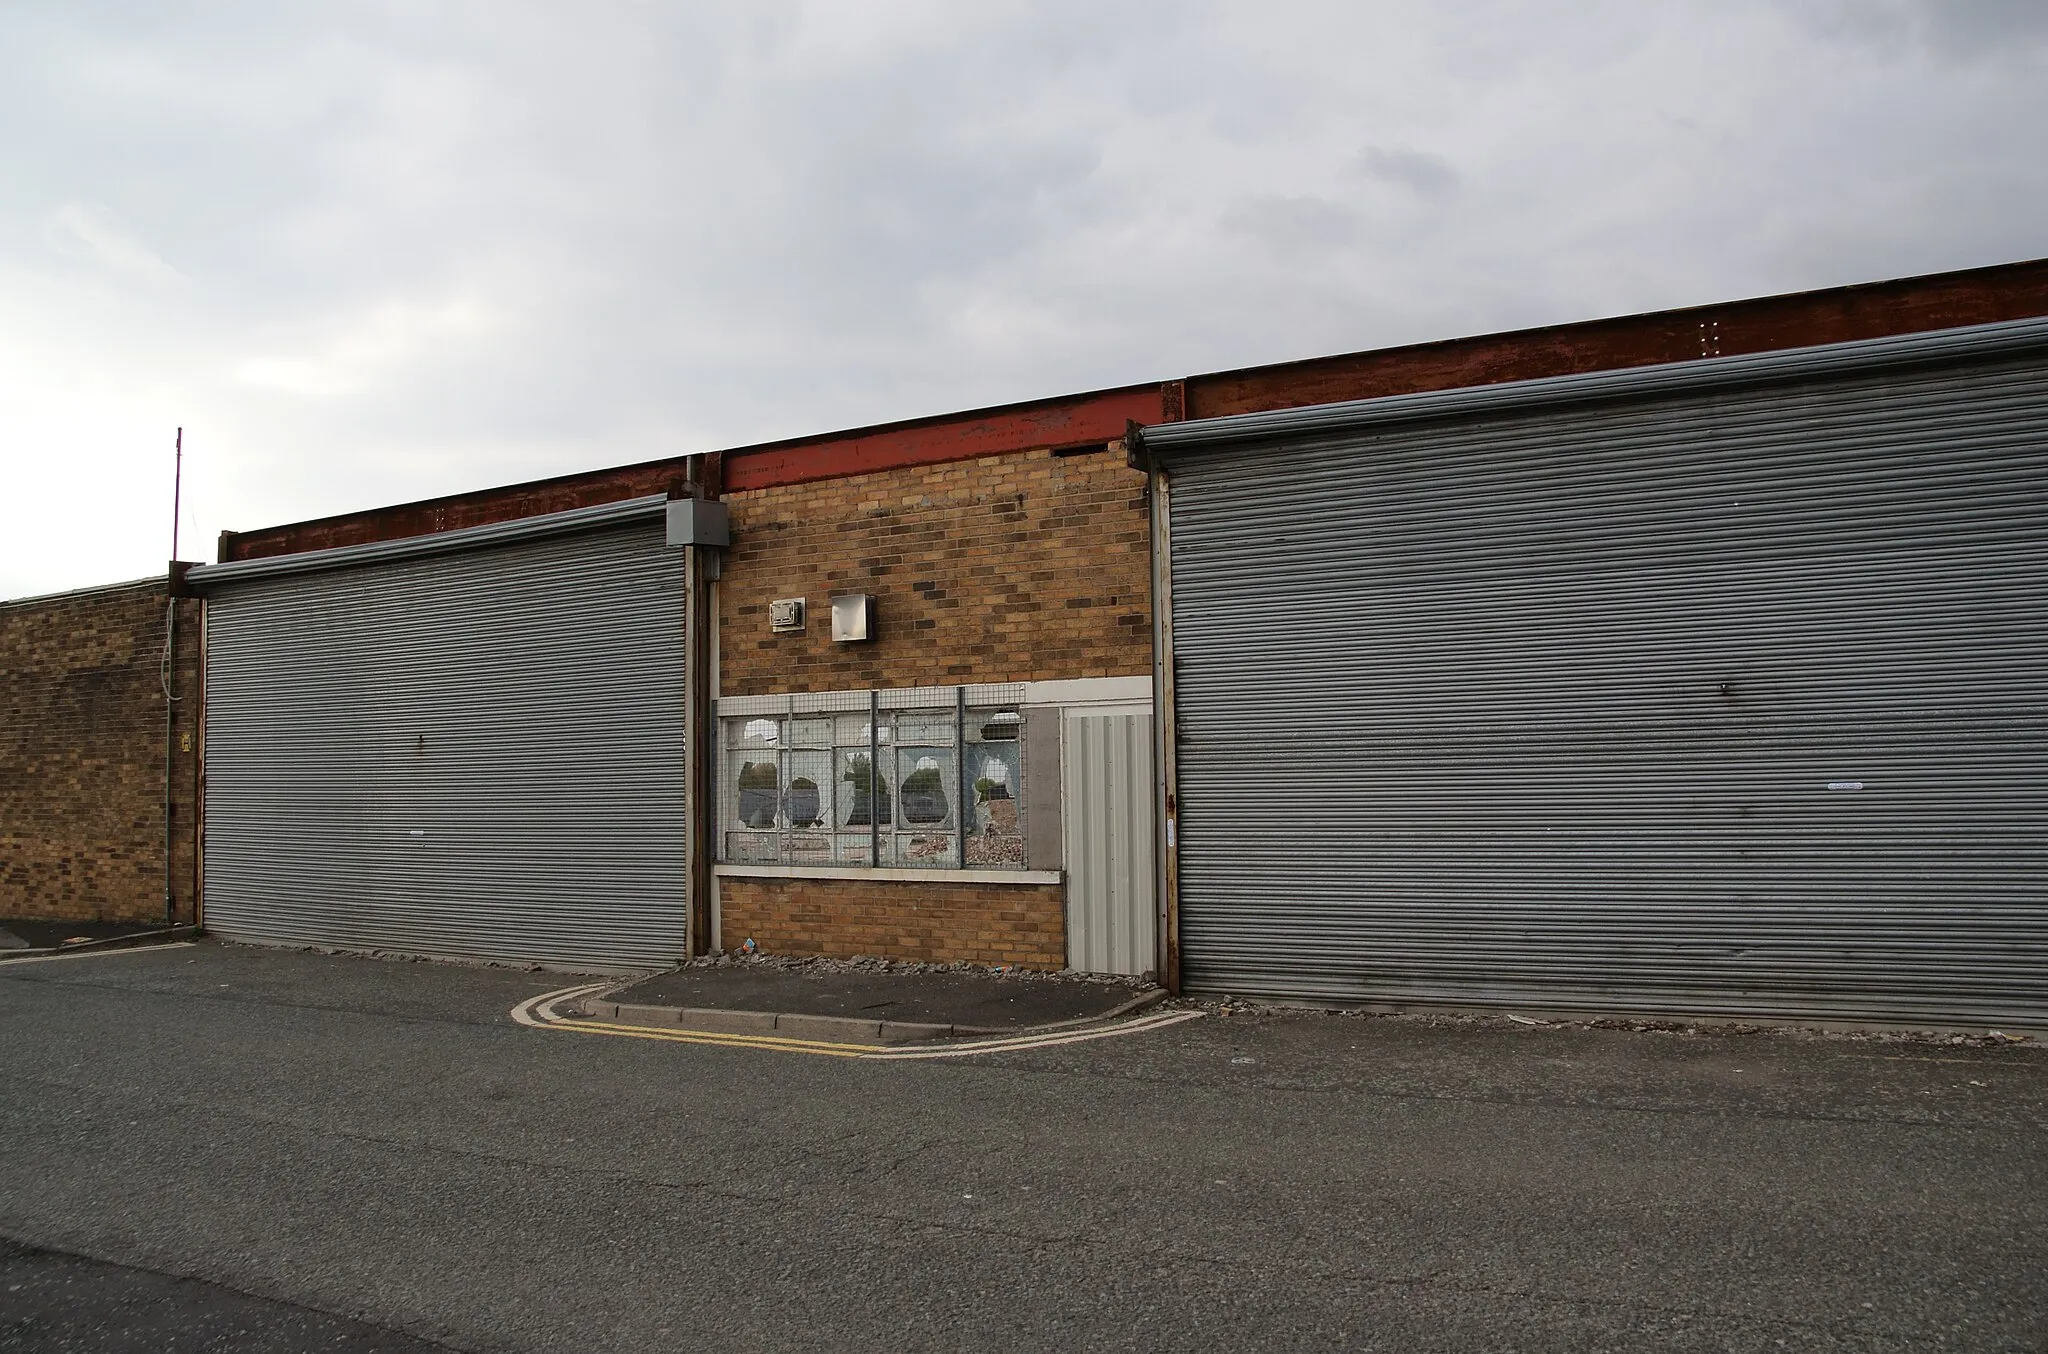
[(211, 1148)]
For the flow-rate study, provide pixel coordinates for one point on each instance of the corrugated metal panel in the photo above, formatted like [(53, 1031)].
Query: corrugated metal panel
[(1111, 921), (1702, 696), (476, 753)]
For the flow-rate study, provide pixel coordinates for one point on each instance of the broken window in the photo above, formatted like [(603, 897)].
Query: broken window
[(919, 787)]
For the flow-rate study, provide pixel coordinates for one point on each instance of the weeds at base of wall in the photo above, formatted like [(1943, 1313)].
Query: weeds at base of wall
[(450, 960), (1505, 1021)]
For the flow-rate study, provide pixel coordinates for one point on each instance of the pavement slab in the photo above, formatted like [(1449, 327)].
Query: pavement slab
[(39, 933), (973, 1000)]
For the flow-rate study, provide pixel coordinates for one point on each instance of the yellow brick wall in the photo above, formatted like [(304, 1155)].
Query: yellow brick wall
[(1020, 924), (1013, 568), (82, 755)]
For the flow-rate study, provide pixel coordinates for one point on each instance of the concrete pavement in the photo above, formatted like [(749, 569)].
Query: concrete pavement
[(864, 1000), (376, 1142), (19, 933)]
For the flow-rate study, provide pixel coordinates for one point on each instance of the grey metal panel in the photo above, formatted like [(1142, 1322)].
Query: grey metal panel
[(435, 543), (1709, 699), (1044, 847), (698, 521), (1108, 813), (477, 753)]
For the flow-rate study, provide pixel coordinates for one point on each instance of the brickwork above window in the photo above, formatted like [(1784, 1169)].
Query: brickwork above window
[(1028, 567)]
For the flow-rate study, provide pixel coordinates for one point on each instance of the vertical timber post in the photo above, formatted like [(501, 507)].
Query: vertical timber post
[(1165, 727)]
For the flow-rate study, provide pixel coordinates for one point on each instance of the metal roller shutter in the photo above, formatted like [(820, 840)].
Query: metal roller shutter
[(475, 752), (1717, 689)]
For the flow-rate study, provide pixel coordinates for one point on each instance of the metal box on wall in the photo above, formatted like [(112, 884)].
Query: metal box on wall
[(698, 521), (853, 618)]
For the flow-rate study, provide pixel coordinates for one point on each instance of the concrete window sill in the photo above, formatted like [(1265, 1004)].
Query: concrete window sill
[(895, 874)]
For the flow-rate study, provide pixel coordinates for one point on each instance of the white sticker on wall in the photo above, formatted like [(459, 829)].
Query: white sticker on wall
[(1845, 785)]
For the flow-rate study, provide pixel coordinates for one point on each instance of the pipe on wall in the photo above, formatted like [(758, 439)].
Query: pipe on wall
[(700, 718)]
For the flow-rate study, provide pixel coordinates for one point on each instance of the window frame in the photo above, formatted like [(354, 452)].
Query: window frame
[(882, 739)]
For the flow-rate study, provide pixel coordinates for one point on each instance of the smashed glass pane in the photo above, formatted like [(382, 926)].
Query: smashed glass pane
[(808, 733), (806, 802), (753, 733), (995, 832), (760, 792), (926, 786), (863, 797), (759, 848)]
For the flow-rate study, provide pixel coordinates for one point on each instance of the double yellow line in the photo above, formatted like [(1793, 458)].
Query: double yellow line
[(544, 1013)]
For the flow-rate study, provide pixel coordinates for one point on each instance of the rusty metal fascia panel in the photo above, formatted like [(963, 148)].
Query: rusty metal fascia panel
[(497, 533), (1076, 421), (1063, 421), (1762, 324), (458, 512), (1871, 355), (1868, 310)]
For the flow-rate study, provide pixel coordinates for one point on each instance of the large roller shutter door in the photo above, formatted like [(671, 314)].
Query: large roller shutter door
[(1724, 691), (473, 753)]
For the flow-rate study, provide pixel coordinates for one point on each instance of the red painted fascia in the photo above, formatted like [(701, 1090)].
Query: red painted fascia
[(2007, 291), (1069, 421), (1079, 420)]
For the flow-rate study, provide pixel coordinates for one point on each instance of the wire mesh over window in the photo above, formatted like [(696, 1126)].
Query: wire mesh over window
[(995, 797), (923, 779)]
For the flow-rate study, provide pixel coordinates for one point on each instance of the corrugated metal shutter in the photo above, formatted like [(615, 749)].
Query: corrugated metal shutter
[(1666, 694), (1107, 809), (471, 753)]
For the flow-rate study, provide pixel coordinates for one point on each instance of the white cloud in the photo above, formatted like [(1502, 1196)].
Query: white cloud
[(1421, 172), (368, 254), (361, 348), (78, 232)]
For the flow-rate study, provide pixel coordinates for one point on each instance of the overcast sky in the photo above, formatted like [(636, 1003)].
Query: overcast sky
[(371, 253)]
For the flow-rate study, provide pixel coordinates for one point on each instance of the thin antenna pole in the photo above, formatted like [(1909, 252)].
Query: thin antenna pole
[(177, 491)]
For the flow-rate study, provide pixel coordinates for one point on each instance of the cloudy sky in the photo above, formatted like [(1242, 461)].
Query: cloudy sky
[(369, 253)]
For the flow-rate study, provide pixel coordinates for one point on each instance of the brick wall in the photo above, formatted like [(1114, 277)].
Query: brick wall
[(1006, 569), (1023, 567), (1021, 924), (82, 755)]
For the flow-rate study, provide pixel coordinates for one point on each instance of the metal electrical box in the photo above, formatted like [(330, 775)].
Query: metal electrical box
[(853, 618), (698, 521), (786, 616)]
